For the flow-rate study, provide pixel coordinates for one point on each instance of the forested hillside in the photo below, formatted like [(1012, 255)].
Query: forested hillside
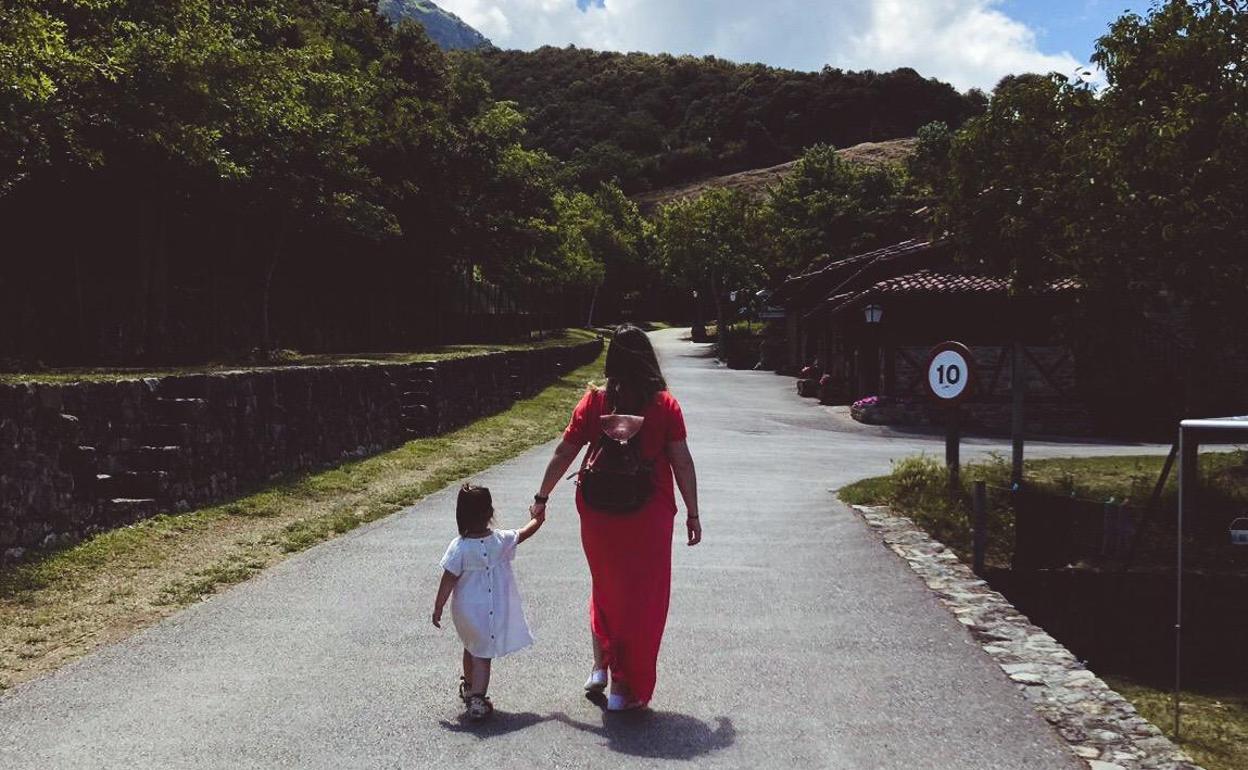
[(192, 179), (446, 29), (653, 121)]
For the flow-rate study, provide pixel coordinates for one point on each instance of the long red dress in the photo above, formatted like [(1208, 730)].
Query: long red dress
[(630, 555)]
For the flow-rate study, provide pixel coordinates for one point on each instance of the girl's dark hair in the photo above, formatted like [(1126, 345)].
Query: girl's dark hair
[(633, 373), (474, 510)]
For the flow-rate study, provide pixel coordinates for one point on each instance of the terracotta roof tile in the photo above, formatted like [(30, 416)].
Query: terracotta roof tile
[(928, 282)]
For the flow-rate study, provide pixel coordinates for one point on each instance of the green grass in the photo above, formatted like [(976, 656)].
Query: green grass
[(289, 358), (917, 488), (56, 606), (1214, 727)]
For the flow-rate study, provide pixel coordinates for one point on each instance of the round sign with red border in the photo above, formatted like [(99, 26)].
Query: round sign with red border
[(950, 372)]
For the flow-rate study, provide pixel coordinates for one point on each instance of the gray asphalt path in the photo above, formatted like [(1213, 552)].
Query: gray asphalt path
[(795, 639)]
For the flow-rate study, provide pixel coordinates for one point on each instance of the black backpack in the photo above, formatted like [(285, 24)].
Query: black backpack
[(614, 477)]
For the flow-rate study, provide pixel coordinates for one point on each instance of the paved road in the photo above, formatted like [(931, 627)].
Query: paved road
[(795, 639)]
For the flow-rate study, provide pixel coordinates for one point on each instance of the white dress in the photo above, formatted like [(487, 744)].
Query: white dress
[(485, 605)]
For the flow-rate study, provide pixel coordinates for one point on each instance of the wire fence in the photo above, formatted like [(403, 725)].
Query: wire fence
[(1048, 530)]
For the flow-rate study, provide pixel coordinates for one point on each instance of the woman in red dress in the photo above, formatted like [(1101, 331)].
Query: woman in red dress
[(630, 554)]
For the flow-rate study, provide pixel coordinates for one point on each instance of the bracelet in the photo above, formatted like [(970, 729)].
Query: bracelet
[(541, 499), (691, 516)]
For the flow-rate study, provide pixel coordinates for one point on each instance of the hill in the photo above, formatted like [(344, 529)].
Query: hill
[(653, 121), (446, 29), (756, 182)]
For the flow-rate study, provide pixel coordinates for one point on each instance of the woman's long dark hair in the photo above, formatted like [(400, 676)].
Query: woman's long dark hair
[(633, 373)]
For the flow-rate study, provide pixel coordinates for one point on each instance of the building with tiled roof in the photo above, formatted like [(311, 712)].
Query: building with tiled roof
[(868, 321)]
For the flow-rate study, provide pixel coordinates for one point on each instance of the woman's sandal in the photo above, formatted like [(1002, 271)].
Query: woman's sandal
[(479, 707)]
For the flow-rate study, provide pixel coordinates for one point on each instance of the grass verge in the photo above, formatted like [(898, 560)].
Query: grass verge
[(290, 358), (917, 488), (56, 607), (1215, 728)]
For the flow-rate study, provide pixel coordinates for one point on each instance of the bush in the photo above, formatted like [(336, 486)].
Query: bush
[(916, 480), (920, 490)]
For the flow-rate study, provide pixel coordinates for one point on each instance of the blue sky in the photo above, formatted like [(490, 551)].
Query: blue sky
[(970, 43), (1070, 25)]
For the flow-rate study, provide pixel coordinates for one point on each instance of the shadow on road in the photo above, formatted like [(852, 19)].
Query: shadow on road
[(658, 734), (499, 723)]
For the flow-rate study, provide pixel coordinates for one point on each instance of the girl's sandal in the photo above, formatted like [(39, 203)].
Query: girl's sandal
[(463, 688), (479, 707)]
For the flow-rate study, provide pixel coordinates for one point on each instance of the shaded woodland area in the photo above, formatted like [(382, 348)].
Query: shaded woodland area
[(192, 180)]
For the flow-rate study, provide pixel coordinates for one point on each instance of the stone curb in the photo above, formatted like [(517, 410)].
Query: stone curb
[(1099, 725)]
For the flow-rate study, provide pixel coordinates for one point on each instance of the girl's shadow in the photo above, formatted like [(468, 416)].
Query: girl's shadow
[(657, 734), (499, 723)]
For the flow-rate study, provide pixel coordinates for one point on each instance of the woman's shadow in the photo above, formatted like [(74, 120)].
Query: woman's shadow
[(657, 734)]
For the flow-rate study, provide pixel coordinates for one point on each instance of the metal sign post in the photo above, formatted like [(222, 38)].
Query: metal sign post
[(950, 373)]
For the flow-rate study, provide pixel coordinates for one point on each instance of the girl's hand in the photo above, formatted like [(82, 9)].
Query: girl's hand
[(437, 617), (694, 525), (537, 510)]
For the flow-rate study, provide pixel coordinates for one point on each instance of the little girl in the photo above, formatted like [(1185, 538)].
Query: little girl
[(486, 608)]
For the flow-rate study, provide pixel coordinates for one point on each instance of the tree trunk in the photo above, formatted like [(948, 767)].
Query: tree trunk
[(593, 302), (266, 332), (158, 286), (720, 317), (80, 311)]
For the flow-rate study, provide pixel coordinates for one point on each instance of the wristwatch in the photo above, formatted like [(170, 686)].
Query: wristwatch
[(540, 500)]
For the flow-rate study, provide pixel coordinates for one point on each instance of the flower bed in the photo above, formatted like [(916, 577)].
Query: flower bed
[(887, 410)]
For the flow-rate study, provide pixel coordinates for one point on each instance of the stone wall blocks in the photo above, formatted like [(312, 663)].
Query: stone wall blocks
[(1096, 721), (212, 436)]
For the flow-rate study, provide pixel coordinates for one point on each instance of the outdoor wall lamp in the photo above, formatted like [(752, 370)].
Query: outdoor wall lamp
[(873, 314)]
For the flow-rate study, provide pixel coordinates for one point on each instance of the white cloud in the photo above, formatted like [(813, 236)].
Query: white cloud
[(966, 42)]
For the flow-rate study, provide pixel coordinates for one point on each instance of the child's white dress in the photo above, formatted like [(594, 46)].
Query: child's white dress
[(485, 605)]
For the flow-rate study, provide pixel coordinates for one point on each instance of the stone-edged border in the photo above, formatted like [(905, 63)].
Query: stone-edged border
[(1100, 726)]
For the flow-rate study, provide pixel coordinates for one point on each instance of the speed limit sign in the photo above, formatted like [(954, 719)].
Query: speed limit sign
[(950, 370)]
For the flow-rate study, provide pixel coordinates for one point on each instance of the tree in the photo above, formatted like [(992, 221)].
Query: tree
[(601, 240), (1139, 187), (1007, 201), (829, 205), (929, 167), (711, 244), (1166, 196)]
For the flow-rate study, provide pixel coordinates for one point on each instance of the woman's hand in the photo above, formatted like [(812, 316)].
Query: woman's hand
[(537, 511), (694, 525)]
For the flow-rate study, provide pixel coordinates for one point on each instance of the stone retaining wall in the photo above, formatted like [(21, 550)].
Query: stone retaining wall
[(1098, 724), (80, 458)]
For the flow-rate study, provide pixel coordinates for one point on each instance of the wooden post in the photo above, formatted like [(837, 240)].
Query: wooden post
[(1018, 387), (953, 439), (979, 527)]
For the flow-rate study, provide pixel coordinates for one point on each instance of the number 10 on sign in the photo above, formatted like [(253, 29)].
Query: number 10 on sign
[(948, 374)]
